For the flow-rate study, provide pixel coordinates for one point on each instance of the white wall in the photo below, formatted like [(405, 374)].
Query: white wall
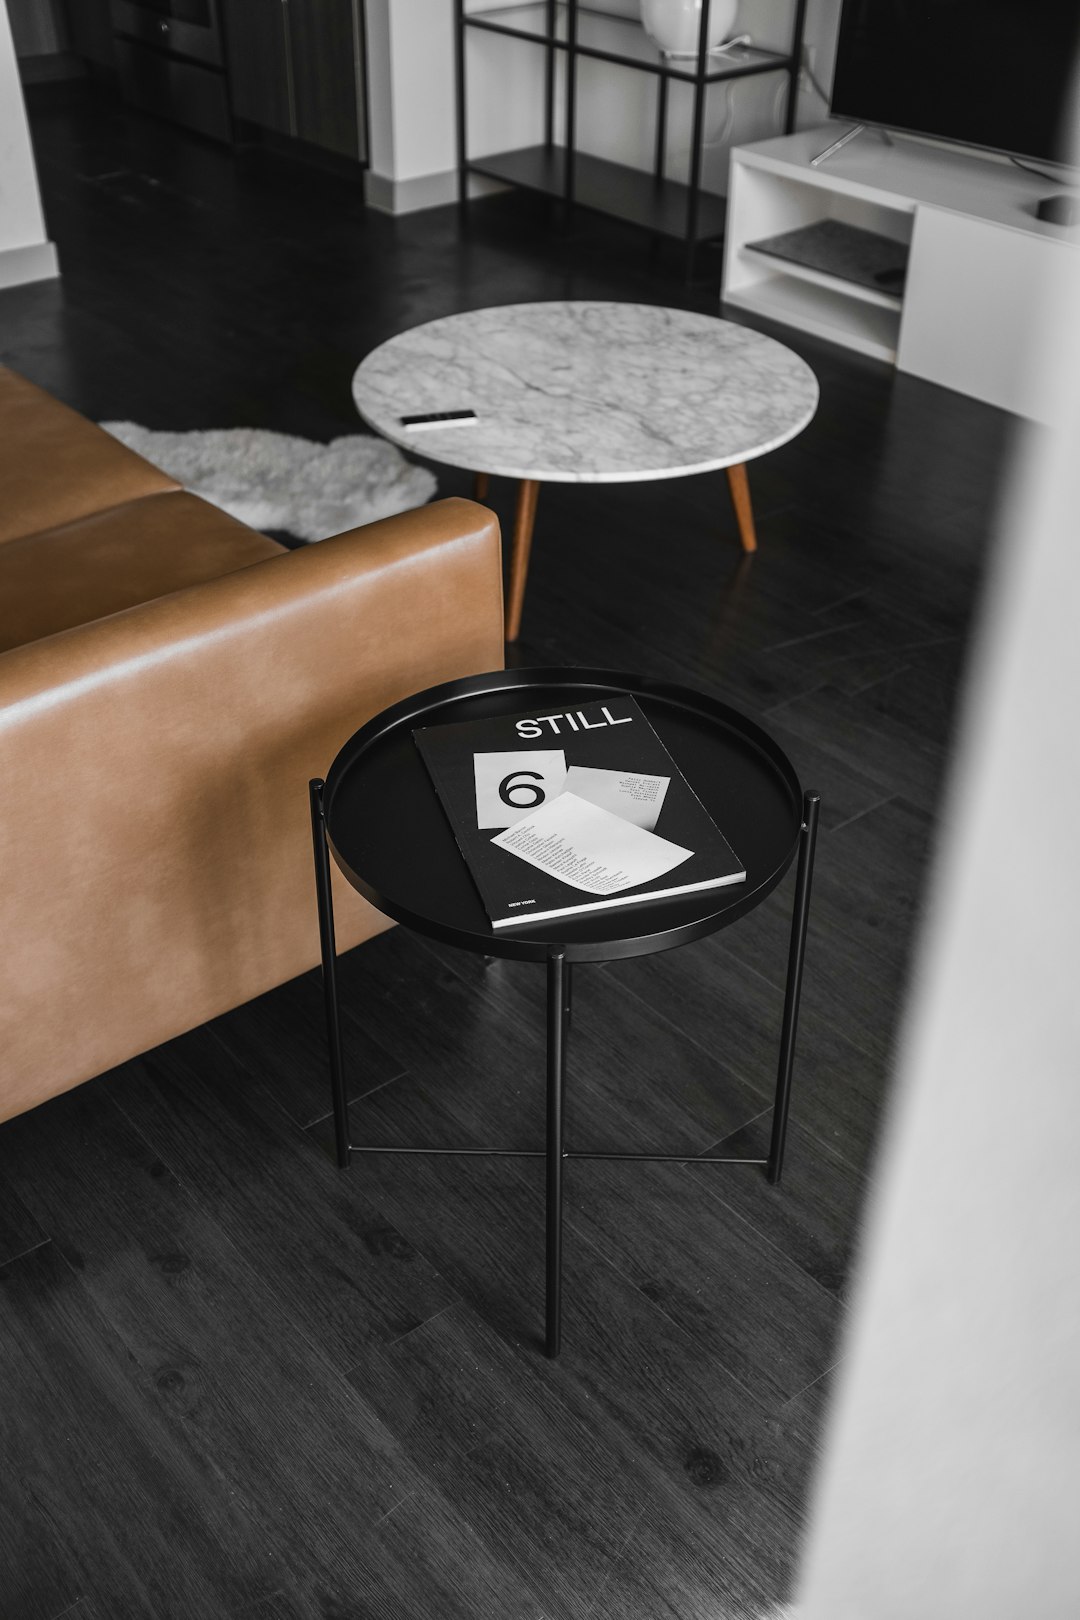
[(949, 1482), (25, 252), (411, 76), (412, 104), (616, 107), (411, 86)]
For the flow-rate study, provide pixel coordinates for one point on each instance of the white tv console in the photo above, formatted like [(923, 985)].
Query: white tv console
[(980, 264)]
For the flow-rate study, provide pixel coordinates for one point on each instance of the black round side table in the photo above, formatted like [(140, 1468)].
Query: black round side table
[(379, 816)]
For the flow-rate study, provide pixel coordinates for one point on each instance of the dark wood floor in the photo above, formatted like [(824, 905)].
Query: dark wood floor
[(235, 1382)]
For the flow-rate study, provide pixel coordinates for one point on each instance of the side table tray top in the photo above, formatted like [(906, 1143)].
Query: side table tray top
[(378, 817)]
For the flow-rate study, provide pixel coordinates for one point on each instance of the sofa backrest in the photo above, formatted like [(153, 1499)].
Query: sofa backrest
[(58, 466), (154, 833), (74, 573)]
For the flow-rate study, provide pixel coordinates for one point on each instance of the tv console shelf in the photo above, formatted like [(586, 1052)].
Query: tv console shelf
[(977, 256)]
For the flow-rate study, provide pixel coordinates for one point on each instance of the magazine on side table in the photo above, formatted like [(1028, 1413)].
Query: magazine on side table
[(576, 811)]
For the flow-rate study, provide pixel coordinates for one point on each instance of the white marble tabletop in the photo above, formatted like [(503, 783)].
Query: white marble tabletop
[(588, 392)]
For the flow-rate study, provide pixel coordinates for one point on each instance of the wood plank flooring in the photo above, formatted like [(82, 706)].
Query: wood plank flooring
[(236, 1382)]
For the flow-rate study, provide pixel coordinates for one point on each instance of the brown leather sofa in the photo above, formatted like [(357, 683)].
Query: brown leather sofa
[(169, 681)]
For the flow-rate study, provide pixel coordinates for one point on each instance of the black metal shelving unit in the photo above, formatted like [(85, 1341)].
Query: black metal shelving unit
[(664, 207)]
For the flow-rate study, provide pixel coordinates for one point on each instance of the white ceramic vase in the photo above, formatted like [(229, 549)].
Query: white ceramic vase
[(675, 25)]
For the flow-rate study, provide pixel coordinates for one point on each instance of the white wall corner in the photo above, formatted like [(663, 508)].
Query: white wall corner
[(38, 262), (380, 99), (388, 196), (412, 95), (26, 254), (422, 49)]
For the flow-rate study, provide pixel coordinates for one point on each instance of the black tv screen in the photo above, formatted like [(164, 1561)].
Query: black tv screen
[(993, 73)]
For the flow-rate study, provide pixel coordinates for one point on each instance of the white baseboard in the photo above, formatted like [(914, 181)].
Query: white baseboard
[(388, 196), (35, 263)]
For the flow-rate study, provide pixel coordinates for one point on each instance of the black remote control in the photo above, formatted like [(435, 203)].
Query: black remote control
[(437, 419)]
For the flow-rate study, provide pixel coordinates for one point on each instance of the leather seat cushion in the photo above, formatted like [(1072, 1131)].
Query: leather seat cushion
[(116, 559), (58, 466)]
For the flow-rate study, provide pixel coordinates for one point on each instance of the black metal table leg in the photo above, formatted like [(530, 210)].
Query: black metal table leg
[(462, 127), (557, 986), (329, 972), (693, 202), (796, 954)]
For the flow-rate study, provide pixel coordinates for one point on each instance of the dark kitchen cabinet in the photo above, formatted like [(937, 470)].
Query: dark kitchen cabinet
[(257, 53), (327, 82), (296, 67)]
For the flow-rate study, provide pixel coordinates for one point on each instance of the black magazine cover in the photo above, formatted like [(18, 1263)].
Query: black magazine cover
[(571, 812)]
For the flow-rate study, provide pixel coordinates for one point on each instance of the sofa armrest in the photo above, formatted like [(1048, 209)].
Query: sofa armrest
[(154, 832)]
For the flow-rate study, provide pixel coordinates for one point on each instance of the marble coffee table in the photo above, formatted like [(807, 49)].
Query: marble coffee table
[(588, 393)]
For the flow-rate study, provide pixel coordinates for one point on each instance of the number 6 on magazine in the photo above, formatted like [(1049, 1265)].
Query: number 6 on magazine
[(533, 795), (514, 783)]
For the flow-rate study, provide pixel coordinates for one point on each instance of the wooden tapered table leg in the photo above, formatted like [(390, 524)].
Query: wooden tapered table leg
[(520, 546), (480, 486), (739, 485)]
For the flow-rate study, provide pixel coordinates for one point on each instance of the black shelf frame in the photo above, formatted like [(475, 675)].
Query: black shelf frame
[(664, 207)]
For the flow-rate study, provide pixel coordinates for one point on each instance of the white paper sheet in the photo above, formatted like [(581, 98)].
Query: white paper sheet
[(629, 794), (522, 773), (589, 848)]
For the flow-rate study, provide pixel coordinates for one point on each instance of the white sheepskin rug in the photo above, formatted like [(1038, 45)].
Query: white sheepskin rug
[(275, 481)]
